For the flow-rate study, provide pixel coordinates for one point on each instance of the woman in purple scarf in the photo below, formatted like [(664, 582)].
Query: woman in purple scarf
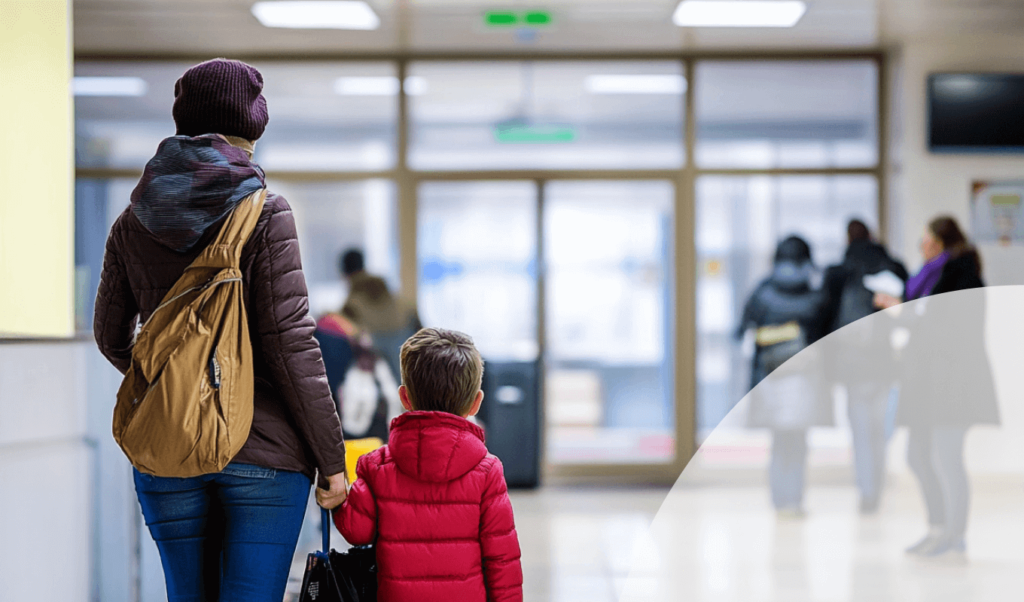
[(946, 382), (922, 283)]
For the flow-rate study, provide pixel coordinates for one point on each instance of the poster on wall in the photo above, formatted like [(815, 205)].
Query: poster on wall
[(997, 213)]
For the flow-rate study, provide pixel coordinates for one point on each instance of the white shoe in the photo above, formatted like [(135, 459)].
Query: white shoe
[(930, 541), (791, 513)]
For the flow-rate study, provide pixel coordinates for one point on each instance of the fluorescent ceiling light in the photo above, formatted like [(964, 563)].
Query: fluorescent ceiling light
[(416, 85), (635, 84), (109, 86), (317, 14), (378, 86), (739, 13), (366, 86)]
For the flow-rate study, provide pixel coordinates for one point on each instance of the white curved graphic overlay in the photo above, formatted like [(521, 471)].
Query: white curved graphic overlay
[(945, 374)]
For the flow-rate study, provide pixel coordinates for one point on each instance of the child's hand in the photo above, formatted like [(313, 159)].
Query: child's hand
[(334, 495)]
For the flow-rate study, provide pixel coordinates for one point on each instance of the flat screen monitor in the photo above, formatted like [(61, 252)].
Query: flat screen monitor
[(976, 112)]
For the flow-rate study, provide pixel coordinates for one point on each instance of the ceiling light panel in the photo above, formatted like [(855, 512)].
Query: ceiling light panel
[(109, 86), (317, 14), (739, 13), (635, 84), (366, 86), (378, 86)]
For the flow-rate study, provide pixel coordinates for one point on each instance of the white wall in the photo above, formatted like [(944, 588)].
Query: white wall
[(46, 471), (924, 184), (70, 526)]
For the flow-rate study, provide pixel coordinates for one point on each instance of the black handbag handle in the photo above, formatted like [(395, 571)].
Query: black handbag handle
[(325, 520)]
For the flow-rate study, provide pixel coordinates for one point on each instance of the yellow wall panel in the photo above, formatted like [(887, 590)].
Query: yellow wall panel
[(36, 169)]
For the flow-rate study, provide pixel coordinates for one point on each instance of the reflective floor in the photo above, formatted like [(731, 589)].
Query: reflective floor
[(577, 542), (727, 545), (580, 544)]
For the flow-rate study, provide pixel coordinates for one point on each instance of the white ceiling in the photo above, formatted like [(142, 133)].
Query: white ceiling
[(226, 27)]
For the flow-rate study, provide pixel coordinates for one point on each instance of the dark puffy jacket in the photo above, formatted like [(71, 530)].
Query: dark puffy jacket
[(961, 273), (437, 506), (867, 356), (295, 426), (779, 299), (847, 298)]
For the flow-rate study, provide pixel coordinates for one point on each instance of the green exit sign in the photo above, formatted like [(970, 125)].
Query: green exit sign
[(510, 18), (513, 133)]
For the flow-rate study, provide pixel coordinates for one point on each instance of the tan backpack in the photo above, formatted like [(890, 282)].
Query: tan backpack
[(185, 406)]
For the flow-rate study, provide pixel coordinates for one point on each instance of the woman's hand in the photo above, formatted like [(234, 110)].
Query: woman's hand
[(883, 301), (335, 492)]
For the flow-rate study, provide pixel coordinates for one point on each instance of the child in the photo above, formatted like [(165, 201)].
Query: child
[(433, 499)]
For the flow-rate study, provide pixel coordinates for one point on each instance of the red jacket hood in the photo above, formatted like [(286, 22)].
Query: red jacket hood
[(435, 446)]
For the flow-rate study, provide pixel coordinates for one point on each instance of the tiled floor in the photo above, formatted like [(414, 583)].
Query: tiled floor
[(725, 544)]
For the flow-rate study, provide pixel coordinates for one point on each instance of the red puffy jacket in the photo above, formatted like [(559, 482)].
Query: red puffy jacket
[(436, 503)]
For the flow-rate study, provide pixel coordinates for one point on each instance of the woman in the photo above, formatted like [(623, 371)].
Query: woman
[(947, 381), (787, 316), (230, 535)]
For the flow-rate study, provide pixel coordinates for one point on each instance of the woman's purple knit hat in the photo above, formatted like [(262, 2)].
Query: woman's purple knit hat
[(220, 97)]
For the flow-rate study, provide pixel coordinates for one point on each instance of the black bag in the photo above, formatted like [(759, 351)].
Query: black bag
[(349, 576), (356, 569)]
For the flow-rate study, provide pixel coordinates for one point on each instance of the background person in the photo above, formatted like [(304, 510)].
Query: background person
[(228, 536), (785, 313), (364, 387), (374, 309), (947, 380), (858, 366)]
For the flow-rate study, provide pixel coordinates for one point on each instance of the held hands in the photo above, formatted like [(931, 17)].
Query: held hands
[(883, 301), (331, 491)]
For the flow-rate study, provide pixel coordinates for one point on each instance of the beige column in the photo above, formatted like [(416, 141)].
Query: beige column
[(36, 169)]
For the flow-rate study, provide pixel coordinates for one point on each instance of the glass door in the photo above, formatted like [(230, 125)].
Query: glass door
[(608, 322), (478, 264), (603, 378), (477, 247)]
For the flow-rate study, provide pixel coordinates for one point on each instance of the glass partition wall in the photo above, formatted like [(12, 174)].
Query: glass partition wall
[(600, 220)]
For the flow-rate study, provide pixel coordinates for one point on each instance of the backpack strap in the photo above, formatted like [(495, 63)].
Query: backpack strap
[(226, 250)]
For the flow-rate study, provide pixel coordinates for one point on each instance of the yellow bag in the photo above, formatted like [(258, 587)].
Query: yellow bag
[(354, 448), (185, 406)]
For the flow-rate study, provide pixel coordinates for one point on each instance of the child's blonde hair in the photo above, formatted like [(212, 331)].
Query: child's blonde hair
[(441, 370)]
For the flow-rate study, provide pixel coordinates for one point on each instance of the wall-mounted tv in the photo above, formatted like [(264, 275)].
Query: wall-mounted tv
[(976, 112)]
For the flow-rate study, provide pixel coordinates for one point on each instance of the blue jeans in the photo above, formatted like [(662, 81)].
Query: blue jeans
[(225, 537), (868, 406), (788, 465)]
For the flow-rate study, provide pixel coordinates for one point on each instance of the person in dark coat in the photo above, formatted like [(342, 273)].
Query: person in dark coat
[(373, 308), (947, 383), (785, 313), (229, 535), (362, 342), (857, 360)]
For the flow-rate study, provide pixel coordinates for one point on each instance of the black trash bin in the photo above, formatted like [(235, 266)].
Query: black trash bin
[(511, 417)]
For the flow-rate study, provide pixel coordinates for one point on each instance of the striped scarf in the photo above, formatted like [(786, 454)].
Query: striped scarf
[(190, 185)]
